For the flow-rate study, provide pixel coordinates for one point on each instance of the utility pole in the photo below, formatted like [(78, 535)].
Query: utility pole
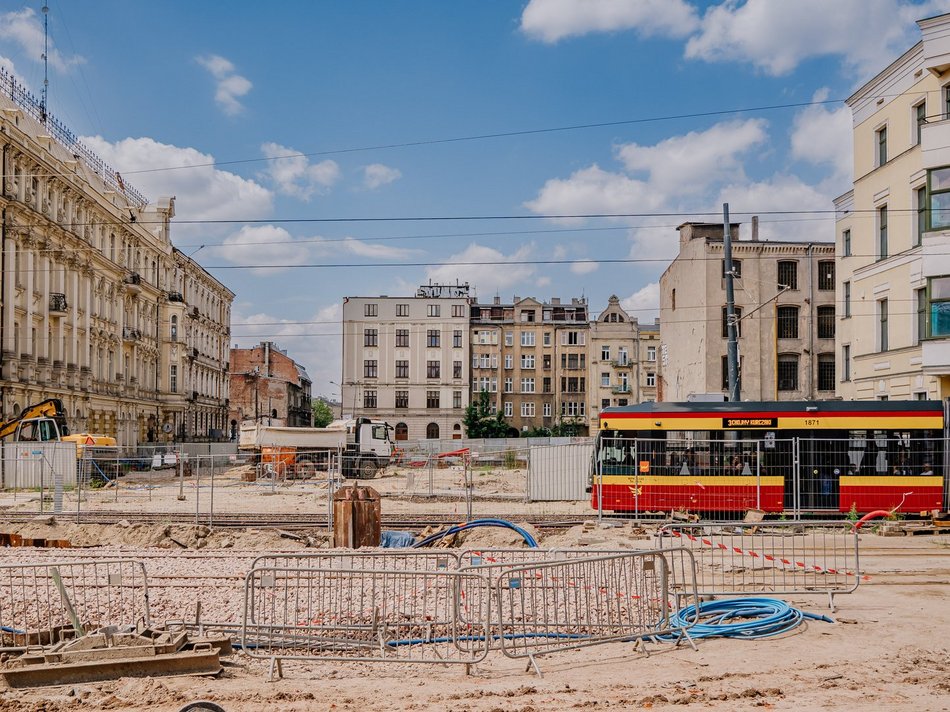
[(732, 325)]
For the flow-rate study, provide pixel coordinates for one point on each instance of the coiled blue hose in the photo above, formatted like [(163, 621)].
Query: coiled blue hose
[(748, 618), (529, 540)]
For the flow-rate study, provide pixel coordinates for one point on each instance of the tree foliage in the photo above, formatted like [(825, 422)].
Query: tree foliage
[(479, 421), (322, 413)]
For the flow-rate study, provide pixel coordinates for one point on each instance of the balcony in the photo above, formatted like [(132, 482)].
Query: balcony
[(622, 363), (194, 313), (620, 389), (57, 304), (935, 143), (130, 334), (175, 297), (191, 353), (133, 283)]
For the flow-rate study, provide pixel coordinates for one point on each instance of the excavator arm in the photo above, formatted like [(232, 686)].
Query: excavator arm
[(51, 409)]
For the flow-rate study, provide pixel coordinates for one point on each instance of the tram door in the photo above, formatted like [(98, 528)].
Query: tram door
[(821, 464)]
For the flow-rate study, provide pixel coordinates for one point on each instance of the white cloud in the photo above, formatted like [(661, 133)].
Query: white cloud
[(822, 136), (376, 175), (24, 28), (294, 175), (777, 36), (367, 249), (644, 304), (231, 86), (778, 193), (268, 246), (494, 274), (553, 20), (593, 190), (543, 282), (690, 163), (584, 266), (203, 191)]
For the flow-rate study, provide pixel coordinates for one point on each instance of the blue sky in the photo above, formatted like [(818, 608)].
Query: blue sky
[(216, 91)]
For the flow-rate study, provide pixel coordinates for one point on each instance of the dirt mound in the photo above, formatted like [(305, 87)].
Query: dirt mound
[(498, 536), (627, 536)]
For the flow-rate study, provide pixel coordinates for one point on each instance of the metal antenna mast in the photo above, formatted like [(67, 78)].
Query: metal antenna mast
[(45, 61)]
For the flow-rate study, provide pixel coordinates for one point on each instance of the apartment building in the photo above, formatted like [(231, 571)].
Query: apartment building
[(532, 357), (406, 360), (98, 308), (893, 230), (785, 305), (268, 386), (623, 361)]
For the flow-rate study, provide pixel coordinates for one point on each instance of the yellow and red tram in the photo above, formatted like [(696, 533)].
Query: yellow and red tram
[(775, 456)]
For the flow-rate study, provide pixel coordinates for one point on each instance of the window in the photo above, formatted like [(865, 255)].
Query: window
[(370, 368), (572, 408), (651, 379), (434, 310), (509, 361), (882, 325), (433, 337), (846, 362), (846, 289), (528, 315), (939, 307), (402, 369), (787, 322), (509, 409), (527, 410), (370, 309), (369, 399), (547, 410), (402, 310), (725, 373), (456, 399), (846, 243), (402, 338), (622, 359), (546, 385), (433, 369), (725, 323), (826, 372), (432, 399), (509, 338), (938, 186), (432, 431), (788, 274), (826, 275), (788, 372), (604, 353), (527, 360), (920, 325), (546, 360), (920, 118), (826, 322), (458, 310), (736, 268), (370, 337), (882, 232), (946, 102), (173, 379), (651, 353), (402, 399), (673, 300), (174, 329), (573, 338), (881, 138), (527, 385), (573, 362), (604, 403), (456, 369), (920, 201), (547, 338), (509, 385), (457, 339), (527, 338), (605, 380)]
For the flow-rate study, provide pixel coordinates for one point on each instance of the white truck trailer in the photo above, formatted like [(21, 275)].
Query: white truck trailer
[(364, 446)]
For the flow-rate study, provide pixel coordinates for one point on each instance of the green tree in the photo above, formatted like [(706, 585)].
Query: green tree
[(538, 431), (568, 427), (479, 421), (322, 413)]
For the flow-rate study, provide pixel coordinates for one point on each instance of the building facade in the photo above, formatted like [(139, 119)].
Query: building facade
[(98, 308), (623, 357), (406, 360), (268, 386), (785, 305), (532, 358), (893, 230)]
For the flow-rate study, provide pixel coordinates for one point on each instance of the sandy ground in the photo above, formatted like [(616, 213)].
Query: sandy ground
[(889, 649)]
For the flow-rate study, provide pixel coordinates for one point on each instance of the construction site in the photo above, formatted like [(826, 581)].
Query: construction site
[(211, 583)]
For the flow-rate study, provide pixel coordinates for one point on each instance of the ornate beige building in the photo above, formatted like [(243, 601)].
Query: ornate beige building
[(98, 308)]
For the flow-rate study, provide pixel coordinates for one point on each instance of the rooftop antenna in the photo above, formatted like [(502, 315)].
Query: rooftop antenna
[(45, 11)]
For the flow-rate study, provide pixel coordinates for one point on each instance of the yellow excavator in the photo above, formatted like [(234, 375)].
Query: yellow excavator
[(40, 422)]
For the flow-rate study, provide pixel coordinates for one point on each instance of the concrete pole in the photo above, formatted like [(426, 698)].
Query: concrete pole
[(732, 353)]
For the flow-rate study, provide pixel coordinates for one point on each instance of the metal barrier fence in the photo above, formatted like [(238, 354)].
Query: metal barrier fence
[(771, 557), (41, 602), (365, 614)]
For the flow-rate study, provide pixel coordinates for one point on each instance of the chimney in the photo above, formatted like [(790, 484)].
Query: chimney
[(496, 300), (555, 300), (755, 228)]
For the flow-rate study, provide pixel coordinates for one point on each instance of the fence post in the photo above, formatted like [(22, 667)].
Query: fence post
[(796, 481), (197, 474), (211, 497)]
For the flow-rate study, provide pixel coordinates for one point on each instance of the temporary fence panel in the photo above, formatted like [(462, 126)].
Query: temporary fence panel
[(559, 472), (382, 615), (29, 465), (37, 601), (387, 559), (771, 557), (584, 601)]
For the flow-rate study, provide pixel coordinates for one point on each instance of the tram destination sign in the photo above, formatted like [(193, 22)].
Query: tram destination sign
[(749, 423)]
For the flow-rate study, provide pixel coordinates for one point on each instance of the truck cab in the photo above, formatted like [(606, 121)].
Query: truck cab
[(372, 436)]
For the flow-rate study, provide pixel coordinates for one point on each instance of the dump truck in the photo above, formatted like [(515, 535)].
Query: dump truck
[(364, 446)]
